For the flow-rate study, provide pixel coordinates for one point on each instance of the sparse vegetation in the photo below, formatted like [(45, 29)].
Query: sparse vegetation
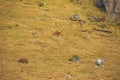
[(76, 1), (43, 36), (41, 4)]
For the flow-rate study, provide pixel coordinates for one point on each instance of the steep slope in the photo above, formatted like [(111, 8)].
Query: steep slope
[(27, 30)]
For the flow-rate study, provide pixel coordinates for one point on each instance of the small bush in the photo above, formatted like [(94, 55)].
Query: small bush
[(41, 4)]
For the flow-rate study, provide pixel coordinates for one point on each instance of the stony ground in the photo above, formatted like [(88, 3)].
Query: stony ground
[(27, 30)]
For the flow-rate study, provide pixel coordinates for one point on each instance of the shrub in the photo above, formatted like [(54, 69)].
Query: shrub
[(41, 4)]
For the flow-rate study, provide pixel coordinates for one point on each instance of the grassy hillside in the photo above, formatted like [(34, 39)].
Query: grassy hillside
[(27, 30)]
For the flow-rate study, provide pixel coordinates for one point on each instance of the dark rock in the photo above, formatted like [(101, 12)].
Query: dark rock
[(101, 5), (105, 31), (75, 17), (75, 58), (112, 7)]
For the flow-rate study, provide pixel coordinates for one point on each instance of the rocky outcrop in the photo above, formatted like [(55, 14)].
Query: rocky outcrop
[(112, 7)]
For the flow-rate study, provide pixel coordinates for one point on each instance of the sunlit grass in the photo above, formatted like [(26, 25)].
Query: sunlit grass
[(27, 28)]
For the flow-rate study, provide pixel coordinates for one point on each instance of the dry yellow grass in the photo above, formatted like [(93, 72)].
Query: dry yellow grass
[(26, 30)]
